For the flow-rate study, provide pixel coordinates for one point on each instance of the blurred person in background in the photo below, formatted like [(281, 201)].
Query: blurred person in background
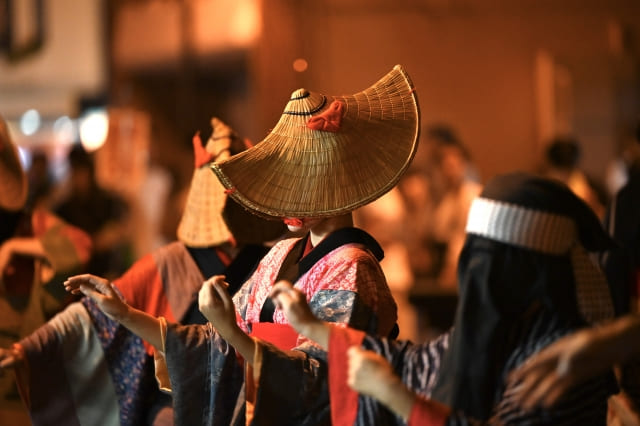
[(104, 374), (101, 213), (562, 162), (454, 188), (41, 182), (37, 250), (622, 220)]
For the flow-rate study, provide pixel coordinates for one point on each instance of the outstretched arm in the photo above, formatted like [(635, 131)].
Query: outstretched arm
[(24, 246), (549, 374), (102, 292)]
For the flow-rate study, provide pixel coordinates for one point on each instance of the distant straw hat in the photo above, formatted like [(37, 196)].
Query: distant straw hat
[(13, 181), (329, 155), (210, 218)]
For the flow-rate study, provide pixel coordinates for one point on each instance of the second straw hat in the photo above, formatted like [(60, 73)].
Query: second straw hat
[(210, 218), (329, 155)]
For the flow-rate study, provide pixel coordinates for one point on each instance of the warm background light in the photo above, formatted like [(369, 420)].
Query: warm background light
[(93, 130), (300, 65)]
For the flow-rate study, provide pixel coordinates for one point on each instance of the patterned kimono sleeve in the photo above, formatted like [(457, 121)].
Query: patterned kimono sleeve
[(348, 287), (64, 358), (205, 374), (240, 300)]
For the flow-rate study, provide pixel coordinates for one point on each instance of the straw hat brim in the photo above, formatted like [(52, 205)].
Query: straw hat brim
[(13, 181), (300, 172)]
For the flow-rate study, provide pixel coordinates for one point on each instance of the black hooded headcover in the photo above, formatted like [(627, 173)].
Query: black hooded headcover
[(524, 234)]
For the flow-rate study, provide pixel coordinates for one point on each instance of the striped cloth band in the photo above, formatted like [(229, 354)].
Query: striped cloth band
[(546, 233), (519, 226)]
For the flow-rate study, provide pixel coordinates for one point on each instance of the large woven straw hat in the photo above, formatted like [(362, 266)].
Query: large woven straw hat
[(329, 155), (13, 181), (210, 218)]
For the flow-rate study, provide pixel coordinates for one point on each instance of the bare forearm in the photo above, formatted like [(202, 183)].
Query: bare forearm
[(622, 337), (27, 246), (145, 326), (319, 332), (242, 343), (396, 396)]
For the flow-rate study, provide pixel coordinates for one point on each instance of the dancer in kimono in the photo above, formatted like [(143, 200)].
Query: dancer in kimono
[(104, 373), (324, 158), (37, 249), (525, 281)]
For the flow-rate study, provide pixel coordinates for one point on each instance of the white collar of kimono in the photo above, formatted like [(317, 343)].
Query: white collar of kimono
[(546, 233)]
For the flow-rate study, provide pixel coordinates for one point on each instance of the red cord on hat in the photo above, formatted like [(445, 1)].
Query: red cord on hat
[(202, 155), (230, 190), (328, 121)]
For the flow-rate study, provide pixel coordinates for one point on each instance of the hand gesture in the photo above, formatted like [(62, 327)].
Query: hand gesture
[(546, 376), (9, 358), (216, 305), (101, 291), (294, 305), (369, 373)]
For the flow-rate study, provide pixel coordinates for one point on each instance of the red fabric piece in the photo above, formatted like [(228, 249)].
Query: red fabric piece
[(293, 221), (427, 412), (283, 336), (223, 256), (329, 120), (202, 156), (308, 247), (344, 400)]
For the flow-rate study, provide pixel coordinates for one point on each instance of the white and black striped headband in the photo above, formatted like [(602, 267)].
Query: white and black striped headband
[(520, 226), (547, 233)]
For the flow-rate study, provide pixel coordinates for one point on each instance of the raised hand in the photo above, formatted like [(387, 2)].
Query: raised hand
[(295, 307), (101, 291), (546, 377), (368, 371), (371, 374), (216, 305)]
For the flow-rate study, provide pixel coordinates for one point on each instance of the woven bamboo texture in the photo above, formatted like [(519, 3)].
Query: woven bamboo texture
[(300, 172)]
